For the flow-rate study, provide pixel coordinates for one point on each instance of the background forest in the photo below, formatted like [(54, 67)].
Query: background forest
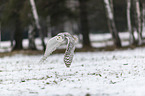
[(45, 18)]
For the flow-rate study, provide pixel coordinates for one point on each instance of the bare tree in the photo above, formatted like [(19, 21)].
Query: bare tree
[(12, 38), (0, 34), (35, 14), (142, 3), (18, 36), (31, 37), (138, 21), (11, 16), (132, 38), (84, 23), (111, 23), (49, 26)]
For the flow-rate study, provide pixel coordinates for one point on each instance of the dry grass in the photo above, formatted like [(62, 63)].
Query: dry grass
[(39, 52)]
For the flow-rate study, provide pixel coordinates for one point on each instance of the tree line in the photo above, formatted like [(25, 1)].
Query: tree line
[(49, 17)]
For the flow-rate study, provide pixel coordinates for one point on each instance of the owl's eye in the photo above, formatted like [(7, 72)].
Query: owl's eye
[(59, 38)]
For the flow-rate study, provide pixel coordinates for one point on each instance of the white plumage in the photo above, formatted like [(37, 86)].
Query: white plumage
[(56, 41)]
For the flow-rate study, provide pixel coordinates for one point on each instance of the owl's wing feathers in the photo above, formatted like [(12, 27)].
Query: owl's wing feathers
[(51, 46), (69, 53)]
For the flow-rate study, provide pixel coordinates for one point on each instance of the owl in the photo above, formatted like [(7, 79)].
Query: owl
[(58, 40)]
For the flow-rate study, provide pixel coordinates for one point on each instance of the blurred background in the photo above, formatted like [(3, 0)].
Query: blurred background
[(43, 19)]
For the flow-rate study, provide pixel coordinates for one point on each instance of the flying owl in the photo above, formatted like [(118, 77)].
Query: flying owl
[(58, 40)]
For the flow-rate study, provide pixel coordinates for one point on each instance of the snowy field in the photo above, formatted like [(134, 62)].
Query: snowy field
[(116, 73), (105, 73)]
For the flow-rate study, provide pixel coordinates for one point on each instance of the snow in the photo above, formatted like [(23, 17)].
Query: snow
[(105, 73), (114, 73)]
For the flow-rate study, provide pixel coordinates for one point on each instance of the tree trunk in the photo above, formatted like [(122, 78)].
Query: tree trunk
[(35, 14), (31, 36), (131, 32), (0, 35), (111, 23), (12, 39), (49, 27), (84, 23), (18, 36), (142, 16), (138, 21)]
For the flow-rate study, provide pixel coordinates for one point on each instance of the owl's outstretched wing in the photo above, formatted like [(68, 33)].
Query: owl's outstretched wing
[(69, 53), (51, 46)]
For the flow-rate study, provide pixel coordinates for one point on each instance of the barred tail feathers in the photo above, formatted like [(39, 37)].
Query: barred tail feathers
[(69, 53)]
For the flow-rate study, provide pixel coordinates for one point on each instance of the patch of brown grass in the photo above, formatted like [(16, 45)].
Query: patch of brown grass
[(88, 49)]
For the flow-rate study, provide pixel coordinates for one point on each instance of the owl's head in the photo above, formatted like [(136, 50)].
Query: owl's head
[(61, 37)]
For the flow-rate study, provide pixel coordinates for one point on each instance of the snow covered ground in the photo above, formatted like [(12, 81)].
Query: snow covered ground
[(115, 73)]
